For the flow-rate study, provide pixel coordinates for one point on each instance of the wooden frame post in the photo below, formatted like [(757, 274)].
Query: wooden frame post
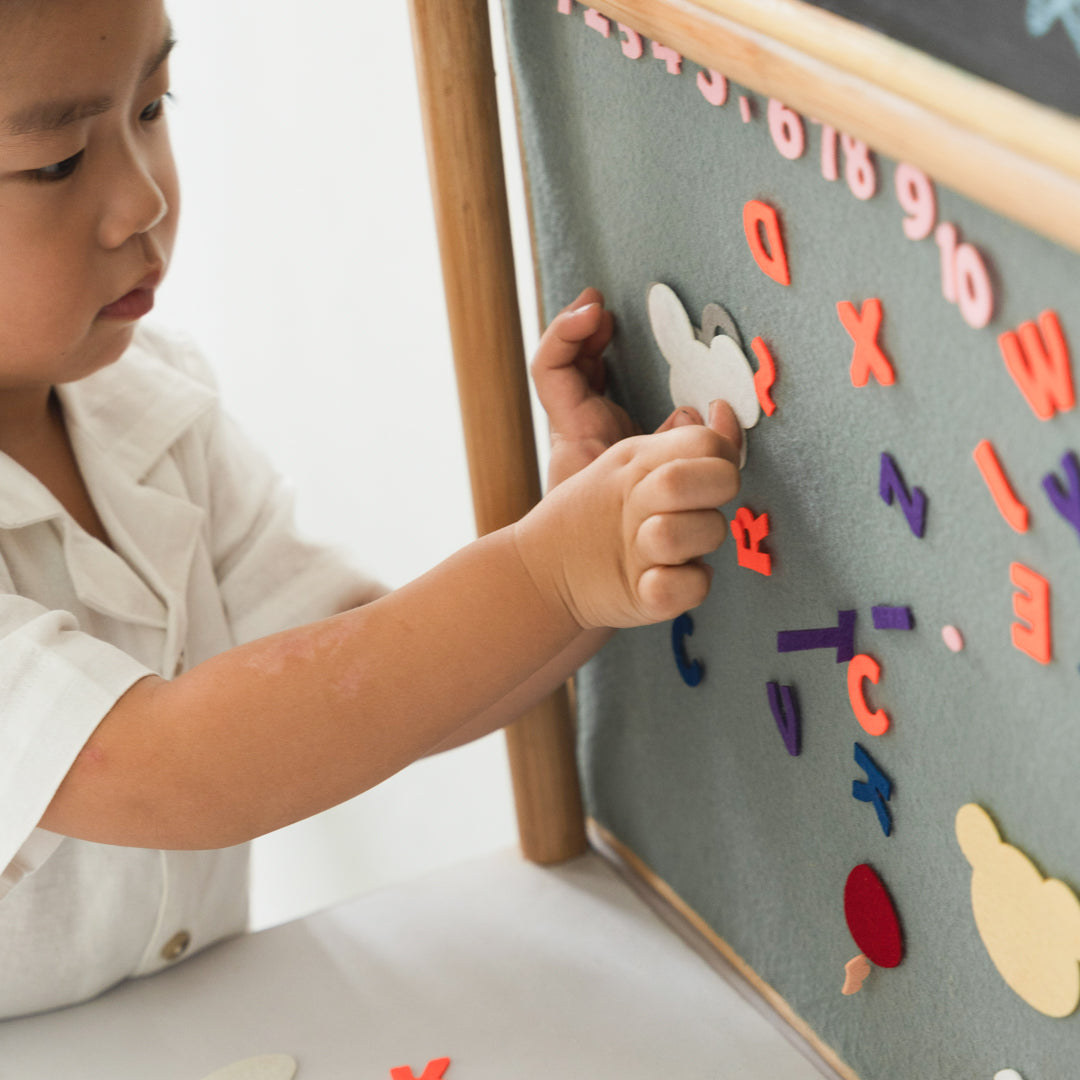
[(455, 69)]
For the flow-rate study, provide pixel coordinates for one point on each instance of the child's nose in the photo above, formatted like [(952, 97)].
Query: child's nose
[(137, 204)]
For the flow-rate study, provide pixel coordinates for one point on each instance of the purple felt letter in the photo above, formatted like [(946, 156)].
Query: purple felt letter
[(1066, 497), (840, 637), (785, 710), (913, 503), (892, 618)]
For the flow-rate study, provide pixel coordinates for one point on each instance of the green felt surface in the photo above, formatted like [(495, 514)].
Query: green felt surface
[(635, 179)]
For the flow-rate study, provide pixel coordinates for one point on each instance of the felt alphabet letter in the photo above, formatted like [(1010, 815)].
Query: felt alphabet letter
[(840, 637), (1038, 361), (1066, 497), (765, 376), (1031, 603), (758, 215), (435, 1070), (749, 532), (692, 671), (865, 667), (1010, 507), (913, 503), (785, 710), (863, 326), (876, 789), (597, 22)]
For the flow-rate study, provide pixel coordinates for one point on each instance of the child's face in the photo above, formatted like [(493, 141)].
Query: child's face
[(88, 188)]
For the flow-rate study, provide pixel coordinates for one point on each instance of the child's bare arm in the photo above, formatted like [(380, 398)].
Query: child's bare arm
[(276, 730)]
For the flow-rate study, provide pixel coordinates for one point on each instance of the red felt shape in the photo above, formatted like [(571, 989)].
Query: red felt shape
[(765, 376), (1038, 360), (871, 917), (749, 531), (435, 1070), (1031, 603), (758, 215), (1009, 506), (868, 358)]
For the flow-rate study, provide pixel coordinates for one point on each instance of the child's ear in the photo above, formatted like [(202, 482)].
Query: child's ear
[(671, 325)]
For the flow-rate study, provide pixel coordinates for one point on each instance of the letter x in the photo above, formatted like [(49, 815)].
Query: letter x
[(868, 357), (434, 1071)]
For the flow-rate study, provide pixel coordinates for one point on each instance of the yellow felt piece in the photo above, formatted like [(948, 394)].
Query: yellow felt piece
[(263, 1067), (1029, 924)]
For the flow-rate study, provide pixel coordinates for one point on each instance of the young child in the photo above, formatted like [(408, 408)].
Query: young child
[(149, 726)]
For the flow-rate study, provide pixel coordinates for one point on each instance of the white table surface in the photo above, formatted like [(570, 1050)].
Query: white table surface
[(512, 971)]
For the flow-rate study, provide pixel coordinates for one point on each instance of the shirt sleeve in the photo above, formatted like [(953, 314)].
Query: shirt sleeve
[(271, 578), (56, 683)]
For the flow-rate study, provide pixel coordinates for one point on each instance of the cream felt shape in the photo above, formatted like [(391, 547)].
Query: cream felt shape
[(1007, 1074), (1029, 924), (263, 1067), (701, 372)]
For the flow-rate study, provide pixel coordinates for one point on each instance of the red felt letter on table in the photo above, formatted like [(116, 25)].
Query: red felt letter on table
[(749, 531), (1032, 604), (1010, 507), (1039, 364), (774, 260), (868, 356), (765, 376), (434, 1071)]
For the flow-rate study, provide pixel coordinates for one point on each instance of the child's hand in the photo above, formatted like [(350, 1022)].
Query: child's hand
[(568, 371), (620, 543)]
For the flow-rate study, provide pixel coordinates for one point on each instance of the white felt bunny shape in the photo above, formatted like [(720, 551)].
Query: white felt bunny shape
[(700, 371)]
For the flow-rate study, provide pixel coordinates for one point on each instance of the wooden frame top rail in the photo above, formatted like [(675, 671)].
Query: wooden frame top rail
[(995, 146)]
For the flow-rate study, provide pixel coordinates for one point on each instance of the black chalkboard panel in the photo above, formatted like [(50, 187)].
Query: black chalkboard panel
[(1031, 46)]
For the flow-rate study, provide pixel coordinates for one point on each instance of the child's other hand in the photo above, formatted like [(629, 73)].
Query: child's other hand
[(621, 542), (568, 371)]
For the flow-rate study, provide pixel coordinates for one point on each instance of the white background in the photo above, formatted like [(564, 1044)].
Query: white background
[(307, 268)]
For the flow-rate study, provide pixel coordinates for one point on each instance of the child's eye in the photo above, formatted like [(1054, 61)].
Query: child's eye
[(155, 110), (60, 171)]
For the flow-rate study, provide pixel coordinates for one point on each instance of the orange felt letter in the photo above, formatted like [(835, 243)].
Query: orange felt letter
[(1031, 602), (865, 667), (1039, 364), (774, 261), (749, 531), (765, 376), (863, 326), (1011, 508)]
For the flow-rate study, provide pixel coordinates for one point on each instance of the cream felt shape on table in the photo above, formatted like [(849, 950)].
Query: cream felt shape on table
[(263, 1067)]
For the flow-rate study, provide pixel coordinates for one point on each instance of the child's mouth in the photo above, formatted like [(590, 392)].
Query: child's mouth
[(132, 305)]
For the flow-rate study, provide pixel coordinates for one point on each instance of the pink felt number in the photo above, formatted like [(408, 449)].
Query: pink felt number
[(566, 6), (786, 129), (595, 21), (965, 280), (671, 58), (915, 193), (859, 169), (830, 167), (633, 46), (713, 86), (974, 293)]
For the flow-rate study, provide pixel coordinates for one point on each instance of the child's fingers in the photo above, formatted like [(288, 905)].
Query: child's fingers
[(725, 423), (680, 418), (665, 592), (685, 484), (673, 539), (600, 339), (684, 441)]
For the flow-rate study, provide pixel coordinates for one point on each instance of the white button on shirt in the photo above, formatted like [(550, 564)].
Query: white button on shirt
[(206, 557)]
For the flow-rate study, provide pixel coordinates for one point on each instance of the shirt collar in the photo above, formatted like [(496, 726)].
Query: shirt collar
[(133, 411)]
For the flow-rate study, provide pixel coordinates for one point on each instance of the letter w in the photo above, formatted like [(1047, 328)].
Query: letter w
[(1039, 364)]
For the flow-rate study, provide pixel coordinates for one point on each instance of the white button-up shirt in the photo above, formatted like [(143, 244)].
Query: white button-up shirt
[(204, 557)]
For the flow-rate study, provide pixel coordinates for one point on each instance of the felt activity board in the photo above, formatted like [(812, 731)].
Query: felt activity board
[(856, 763)]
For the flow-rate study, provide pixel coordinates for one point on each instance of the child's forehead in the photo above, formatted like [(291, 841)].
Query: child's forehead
[(54, 49)]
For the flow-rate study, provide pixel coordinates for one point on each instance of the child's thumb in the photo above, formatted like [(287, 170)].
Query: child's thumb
[(723, 421)]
